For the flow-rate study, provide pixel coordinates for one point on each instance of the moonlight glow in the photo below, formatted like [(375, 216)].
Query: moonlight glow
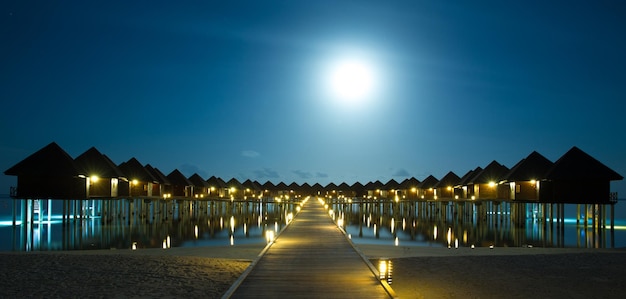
[(352, 80)]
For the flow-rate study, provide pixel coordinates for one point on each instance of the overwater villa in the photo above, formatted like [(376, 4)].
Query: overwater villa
[(444, 188), (576, 177), (524, 180), (140, 182), (426, 189), (533, 192)]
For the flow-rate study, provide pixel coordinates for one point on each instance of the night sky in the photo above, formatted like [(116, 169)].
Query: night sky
[(241, 88)]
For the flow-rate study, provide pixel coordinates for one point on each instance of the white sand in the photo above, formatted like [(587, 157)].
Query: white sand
[(418, 272)]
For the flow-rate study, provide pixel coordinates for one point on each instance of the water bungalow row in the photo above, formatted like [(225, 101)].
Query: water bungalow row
[(51, 173)]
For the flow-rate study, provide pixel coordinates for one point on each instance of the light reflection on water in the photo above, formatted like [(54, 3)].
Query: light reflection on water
[(210, 223), (394, 224)]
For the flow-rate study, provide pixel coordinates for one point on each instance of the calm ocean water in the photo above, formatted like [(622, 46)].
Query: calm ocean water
[(234, 224)]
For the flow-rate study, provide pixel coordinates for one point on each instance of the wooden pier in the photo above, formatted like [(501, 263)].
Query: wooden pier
[(311, 258)]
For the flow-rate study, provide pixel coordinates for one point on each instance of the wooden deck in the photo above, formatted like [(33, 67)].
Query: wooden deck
[(311, 258)]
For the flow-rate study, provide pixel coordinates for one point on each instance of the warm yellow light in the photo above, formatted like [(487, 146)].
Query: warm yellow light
[(533, 182), (382, 269), (449, 188), (134, 247), (269, 236), (212, 188), (492, 184), (232, 189), (456, 197), (135, 182), (94, 178), (413, 189)]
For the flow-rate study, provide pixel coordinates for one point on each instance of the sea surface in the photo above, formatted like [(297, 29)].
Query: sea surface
[(219, 223)]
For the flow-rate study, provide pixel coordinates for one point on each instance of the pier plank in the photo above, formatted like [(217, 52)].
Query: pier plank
[(310, 259)]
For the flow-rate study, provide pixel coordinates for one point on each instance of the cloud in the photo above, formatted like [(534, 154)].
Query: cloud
[(321, 175), (188, 170), (302, 174), (250, 154), (401, 172), (266, 173)]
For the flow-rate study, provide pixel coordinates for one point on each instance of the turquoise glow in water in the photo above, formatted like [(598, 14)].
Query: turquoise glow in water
[(216, 223), (250, 221)]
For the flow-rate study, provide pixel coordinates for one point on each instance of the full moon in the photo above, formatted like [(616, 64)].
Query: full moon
[(352, 80)]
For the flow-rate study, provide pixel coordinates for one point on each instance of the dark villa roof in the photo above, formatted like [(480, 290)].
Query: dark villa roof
[(249, 184), (377, 185), (281, 186), (268, 186), (133, 170), (465, 180), (357, 186), (317, 187), (234, 183), (198, 181), (410, 183), (294, 186), (215, 182), (449, 180), (95, 163), (428, 182), (158, 175), (50, 160), (533, 167), (492, 173), (578, 165), (344, 187), (178, 179), (330, 187), (392, 185)]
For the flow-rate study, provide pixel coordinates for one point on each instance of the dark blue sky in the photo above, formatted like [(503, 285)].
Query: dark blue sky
[(236, 88)]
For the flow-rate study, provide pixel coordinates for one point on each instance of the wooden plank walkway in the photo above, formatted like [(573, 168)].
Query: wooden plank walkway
[(311, 258)]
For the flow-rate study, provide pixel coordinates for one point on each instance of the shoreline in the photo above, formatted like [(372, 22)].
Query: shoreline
[(418, 272)]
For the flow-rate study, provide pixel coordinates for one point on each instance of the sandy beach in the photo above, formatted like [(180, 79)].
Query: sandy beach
[(418, 272)]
